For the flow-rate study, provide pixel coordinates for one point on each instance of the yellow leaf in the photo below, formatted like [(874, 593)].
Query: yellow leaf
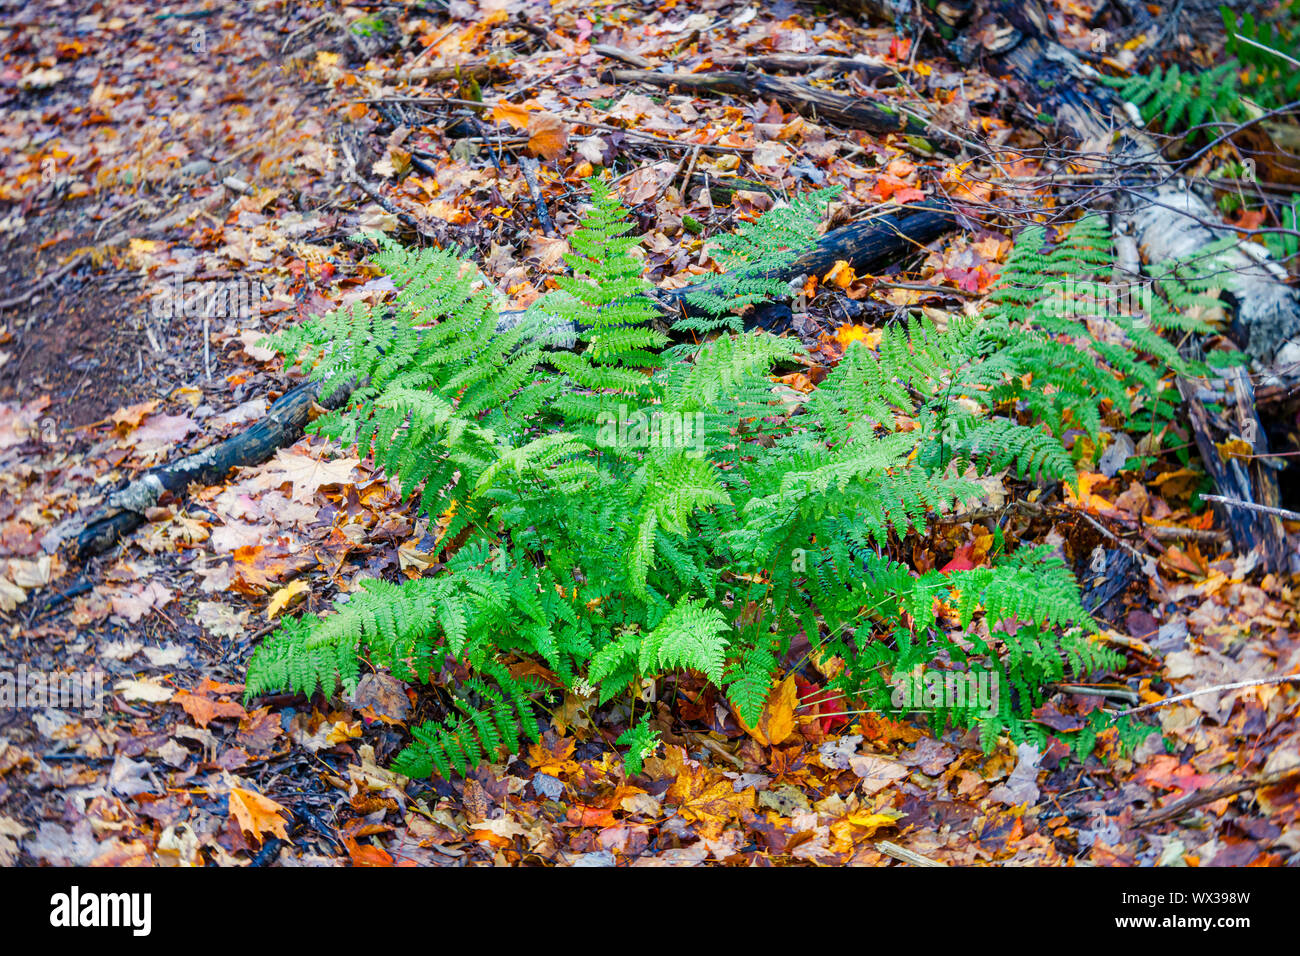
[(342, 732), (777, 721), (281, 598), (848, 334), (257, 814), (1234, 448), (516, 116), (1085, 498), (841, 274), (873, 820)]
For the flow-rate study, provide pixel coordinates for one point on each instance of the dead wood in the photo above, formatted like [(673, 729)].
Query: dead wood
[(1252, 480), (847, 110), (124, 510)]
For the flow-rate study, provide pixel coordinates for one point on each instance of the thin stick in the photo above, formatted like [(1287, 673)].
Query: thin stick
[(207, 335), (1206, 795), (1212, 690), (529, 166), (1251, 506), (921, 287), (677, 171), (690, 171), (904, 855)]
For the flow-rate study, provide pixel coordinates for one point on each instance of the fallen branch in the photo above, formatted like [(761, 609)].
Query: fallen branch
[(904, 855), (1204, 795), (529, 166), (807, 63), (1251, 506), (1251, 484), (1218, 688), (124, 510), (849, 110)]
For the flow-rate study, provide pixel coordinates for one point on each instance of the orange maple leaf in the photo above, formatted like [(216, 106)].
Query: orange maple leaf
[(516, 116), (257, 814)]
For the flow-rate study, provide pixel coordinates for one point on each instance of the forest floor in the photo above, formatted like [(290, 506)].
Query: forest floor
[(153, 155)]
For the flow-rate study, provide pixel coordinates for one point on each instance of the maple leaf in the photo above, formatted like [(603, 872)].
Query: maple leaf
[(890, 187), (876, 772), (1085, 498), (257, 814), (307, 474), (134, 604), (367, 854), (143, 690), (126, 777), (869, 337), (220, 619), (259, 730), (827, 705), (204, 709), (516, 116), (706, 798), (161, 431), (127, 419)]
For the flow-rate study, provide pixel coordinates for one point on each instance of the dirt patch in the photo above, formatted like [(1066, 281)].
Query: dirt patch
[(90, 343)]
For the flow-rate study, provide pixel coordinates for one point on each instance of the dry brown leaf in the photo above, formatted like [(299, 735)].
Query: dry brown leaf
[(257, 814)]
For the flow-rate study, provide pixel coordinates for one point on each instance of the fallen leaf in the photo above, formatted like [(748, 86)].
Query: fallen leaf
[(143, 690), (281, 598), (257, 814)]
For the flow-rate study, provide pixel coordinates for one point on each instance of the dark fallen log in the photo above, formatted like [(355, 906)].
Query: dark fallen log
[(867, 246), (124, 510), (847, 110), (872, 244), (1250, 480)]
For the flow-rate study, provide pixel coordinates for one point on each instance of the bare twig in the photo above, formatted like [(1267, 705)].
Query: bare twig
[(1251, 506), (623, 56), (1218, 688), (1204, 795), (529, 166), (904, 855)]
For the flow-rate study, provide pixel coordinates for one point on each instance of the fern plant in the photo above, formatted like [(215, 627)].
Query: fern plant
[(752, 259), (612, 512), (1093, 338), (1259, 75), (1265, 49), (1180, 100)]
